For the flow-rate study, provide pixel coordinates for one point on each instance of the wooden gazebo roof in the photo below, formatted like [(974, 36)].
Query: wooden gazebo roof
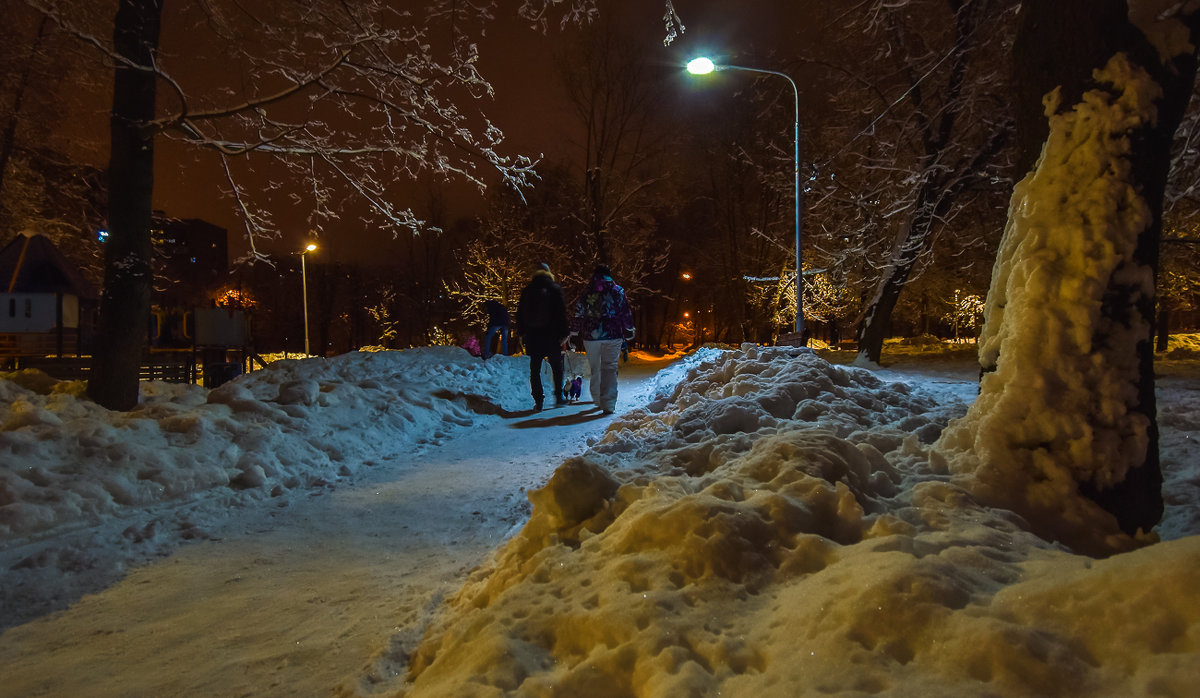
[(32, 264)]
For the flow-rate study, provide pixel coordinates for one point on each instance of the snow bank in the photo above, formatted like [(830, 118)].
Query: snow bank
[(296, 424), (86, 493), (773, 527), (769, 524)]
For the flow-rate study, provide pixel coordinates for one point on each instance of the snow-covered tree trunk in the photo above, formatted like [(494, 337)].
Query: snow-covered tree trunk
[(1063, 430), (125, 304)]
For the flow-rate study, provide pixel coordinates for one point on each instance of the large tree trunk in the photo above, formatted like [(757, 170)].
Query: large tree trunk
[(1064, 427), (125, 305), (1137, 502), (1069, 61)]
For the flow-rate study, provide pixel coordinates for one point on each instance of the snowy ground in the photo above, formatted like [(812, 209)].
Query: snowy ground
[(369, 508), (755, 522)]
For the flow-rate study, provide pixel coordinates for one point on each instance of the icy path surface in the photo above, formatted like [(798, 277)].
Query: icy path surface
[(322, 596)]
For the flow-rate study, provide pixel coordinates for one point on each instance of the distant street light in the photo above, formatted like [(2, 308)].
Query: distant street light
[(304, 290), (704, 66)]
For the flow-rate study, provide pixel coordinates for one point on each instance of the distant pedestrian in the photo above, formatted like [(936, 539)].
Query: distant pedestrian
[(497, 324), (542, 324), (604, 320), (574, 388)]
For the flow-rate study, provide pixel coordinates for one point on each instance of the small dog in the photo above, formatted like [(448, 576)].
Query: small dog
[(573, 388)]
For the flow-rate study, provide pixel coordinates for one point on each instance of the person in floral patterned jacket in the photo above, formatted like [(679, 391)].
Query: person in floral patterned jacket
[(604, 321)]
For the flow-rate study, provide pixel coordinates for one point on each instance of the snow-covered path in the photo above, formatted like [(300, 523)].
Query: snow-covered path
[(327, 592)]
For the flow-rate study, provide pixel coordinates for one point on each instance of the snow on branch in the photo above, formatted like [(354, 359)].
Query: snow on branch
[(674, 25), (353, 96), (538, 12)]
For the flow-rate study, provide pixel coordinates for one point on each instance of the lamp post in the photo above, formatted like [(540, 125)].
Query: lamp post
[(304, 290), (704, 66)]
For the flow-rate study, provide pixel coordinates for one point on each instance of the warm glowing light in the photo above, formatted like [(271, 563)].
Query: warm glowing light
[(310, 247), (687, 314), (701, 66), (687, 276), (235, 299)]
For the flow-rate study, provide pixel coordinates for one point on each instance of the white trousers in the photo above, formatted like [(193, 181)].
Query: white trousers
[(603, 356)]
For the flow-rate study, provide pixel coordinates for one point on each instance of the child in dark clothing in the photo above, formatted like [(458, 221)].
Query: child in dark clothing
[(575, 388)]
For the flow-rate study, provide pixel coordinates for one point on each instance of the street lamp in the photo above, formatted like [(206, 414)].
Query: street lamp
[(704, 66), (304, 290)]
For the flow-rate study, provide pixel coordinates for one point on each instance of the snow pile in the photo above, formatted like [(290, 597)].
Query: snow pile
[(86, 493), (1060, 407), (1186, 346), (290, 426), (773, 527)]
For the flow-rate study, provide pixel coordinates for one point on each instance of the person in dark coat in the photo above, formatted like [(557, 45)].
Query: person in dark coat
[(497, 324), (542, 324)]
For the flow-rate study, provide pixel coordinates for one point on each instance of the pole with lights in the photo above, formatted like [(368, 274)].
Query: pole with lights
[(304, 290), (704, 66)]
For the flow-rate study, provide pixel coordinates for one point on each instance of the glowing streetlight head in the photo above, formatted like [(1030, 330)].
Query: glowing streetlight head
[(309, 247), (701, 66)]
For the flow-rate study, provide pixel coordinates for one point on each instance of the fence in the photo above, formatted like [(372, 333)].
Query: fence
[(169, 366)]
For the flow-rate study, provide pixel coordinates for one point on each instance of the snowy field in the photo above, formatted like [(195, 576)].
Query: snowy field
[(757, 522)]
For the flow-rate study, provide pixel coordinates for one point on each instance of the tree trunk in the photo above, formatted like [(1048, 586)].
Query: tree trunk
[(1046, 55), (1164, 327), (125, 305), (1137, 501), (877, 322)]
